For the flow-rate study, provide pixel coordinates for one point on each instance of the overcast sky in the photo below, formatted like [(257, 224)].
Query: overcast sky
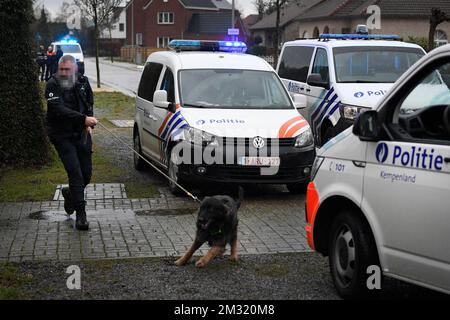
[(54, 5)]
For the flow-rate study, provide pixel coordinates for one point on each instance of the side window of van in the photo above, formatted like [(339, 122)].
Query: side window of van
[(169, 85), (149, 81), (295, 63), (321, 64)]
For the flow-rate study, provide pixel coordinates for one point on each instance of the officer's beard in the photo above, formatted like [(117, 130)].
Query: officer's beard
[(67, 82)]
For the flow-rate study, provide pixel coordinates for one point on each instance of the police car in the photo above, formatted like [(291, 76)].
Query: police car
[(379, 194), (72, 47), (337, 76), (207, 112)]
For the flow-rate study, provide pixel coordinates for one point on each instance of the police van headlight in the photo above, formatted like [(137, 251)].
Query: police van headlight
[(304, 139), (351, 112), (316, 166), (199, 137)]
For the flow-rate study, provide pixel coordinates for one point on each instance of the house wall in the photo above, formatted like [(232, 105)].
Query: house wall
[(115, 32)]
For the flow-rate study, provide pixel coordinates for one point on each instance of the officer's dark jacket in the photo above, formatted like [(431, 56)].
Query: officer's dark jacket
[(66, 113)]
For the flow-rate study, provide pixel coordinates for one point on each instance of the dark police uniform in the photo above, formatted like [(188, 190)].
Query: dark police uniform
[(66, 114)]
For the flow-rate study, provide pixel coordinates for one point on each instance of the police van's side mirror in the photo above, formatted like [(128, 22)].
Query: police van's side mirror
[(160, 101), (315, 80), (300, 101), (367, 126)]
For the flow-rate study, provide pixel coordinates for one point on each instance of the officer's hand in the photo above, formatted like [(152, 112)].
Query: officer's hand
[(89, 130), (90, 121)]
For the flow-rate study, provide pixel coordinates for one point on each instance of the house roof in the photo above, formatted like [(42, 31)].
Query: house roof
[(353, 8), (222, 4), (204, 4), (251, 19), (210, 23), (287, 14)]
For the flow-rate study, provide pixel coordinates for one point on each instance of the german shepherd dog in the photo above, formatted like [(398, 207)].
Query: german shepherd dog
[(217, 223)]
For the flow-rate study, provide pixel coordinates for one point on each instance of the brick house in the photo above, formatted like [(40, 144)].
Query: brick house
[(153, 23)]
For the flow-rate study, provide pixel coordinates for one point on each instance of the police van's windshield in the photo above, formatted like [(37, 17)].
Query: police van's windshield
[(234, 89), (373, 64), (70, 48)]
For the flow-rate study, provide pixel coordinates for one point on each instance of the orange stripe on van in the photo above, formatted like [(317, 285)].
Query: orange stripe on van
[(295, 128), (312, 206), (285, 126), (161, 129)]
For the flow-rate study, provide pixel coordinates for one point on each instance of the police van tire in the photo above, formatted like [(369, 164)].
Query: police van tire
[(352, 250), (297, 188), (139, 164)]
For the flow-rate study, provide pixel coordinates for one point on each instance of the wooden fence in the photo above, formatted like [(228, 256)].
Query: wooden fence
[(137, 55)]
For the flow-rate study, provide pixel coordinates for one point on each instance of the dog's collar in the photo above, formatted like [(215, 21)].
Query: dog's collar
[(215, 233)]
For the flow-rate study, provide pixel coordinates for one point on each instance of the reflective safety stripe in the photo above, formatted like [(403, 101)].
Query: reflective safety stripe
[(312, 206)]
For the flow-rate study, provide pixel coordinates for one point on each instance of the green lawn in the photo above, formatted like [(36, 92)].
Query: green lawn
[(39, 184)]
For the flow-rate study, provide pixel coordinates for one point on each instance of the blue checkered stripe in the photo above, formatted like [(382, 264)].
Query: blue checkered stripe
[(326, 108), (174, 125)]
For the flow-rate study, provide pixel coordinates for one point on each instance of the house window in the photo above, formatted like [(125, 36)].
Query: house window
[(163, 42), (165, 18), (121, 27), (440, 38)]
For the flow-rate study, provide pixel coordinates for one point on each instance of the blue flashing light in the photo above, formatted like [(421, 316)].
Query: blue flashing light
[(69, 41), (200, 45), (360, 36)]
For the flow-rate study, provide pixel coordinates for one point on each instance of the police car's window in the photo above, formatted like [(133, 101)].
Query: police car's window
[(240, 89), (421, 113), (294, 64), (373, 64), (168, 85), (149, 81), (320, 65), (70, 48), (433, 90)]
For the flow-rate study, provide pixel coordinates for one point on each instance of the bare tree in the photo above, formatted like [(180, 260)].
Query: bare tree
[(260, 6), (109, 25), (99, 11), (437, 17)]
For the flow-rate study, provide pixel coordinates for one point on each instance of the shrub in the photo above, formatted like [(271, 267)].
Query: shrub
[(23, 139)]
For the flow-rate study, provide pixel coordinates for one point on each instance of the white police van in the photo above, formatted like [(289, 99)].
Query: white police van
[(207, 112), (73, 48), (380, 191), (337, 76)]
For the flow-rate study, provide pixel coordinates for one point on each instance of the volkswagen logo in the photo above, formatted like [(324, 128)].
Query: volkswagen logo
[(381, 153), (258, 142)]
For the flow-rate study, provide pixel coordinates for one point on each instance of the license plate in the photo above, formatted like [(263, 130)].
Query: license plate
[(259, 161)]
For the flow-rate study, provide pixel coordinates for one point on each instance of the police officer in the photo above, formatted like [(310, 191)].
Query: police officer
[(70, 121), (41, 58)]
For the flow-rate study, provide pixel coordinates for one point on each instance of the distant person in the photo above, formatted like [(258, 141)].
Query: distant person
[(70, 121), (41, 57), (50, 63)]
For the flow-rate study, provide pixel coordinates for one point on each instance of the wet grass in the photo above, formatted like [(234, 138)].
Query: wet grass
[(114, 105), (11, 282)]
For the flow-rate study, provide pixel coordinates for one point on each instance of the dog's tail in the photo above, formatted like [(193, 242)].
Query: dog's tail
[(240, 197)]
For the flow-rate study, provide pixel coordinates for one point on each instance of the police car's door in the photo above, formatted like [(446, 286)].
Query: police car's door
[(407, 182), (144, 104)]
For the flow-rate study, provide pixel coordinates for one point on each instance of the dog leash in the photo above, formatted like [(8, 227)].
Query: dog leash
[(151, 164)]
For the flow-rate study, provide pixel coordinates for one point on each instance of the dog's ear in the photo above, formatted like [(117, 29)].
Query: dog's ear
[(226, 205)]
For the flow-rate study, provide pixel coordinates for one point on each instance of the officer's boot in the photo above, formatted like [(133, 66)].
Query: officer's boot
[(68, 205), (81, 223)]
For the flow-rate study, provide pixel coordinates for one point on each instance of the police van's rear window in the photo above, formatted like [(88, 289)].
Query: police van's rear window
[(373, 64), (70, 48)]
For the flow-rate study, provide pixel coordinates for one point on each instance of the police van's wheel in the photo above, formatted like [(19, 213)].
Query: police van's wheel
[(139, 164), (173, 171), (297, 188), (352, 250)]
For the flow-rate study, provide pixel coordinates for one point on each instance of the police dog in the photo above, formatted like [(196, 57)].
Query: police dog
[(217, 223)]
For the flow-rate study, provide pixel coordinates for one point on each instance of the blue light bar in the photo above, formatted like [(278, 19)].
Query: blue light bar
[(360, 36), (69, 41), (201, 45)]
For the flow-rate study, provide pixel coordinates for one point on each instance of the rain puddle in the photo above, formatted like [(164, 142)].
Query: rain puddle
[(51, 216), (165, 212)]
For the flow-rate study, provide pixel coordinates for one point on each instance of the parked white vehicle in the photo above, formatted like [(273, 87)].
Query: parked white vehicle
[(201, 99), (338, 76), (380, 190), (73, 48)]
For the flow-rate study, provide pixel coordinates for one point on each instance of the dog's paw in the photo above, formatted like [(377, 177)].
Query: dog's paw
[(200, 264), (234, 258), (180, 262)]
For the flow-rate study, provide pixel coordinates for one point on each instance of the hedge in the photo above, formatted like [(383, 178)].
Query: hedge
[(23, 138)]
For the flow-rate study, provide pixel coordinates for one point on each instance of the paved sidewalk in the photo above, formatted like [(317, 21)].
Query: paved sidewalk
[(157, 227)]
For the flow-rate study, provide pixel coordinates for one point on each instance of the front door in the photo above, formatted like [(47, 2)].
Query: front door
[(407, 180)]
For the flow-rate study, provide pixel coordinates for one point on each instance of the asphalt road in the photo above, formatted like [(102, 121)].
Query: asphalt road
[(122, 77)]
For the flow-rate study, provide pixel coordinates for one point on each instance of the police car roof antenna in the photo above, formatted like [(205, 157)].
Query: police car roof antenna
[(151, 164)]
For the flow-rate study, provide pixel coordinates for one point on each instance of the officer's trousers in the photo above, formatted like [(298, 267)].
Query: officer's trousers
[(76, 155)]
